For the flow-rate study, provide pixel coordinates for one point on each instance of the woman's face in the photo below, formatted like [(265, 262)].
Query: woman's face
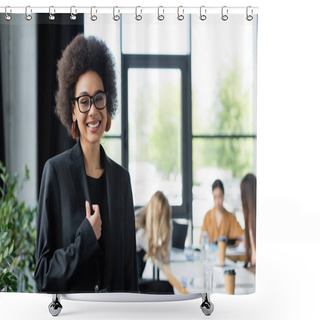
[(218, 198), (92, 123)]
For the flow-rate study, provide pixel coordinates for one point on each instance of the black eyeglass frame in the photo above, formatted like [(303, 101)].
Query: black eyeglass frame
[(91, 101)]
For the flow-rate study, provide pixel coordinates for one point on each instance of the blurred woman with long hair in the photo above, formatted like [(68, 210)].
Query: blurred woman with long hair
[(248, 198), (153, 237)]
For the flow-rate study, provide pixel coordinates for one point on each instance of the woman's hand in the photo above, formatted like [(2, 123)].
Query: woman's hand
[(95, 219), (172, 279), (183, 290)]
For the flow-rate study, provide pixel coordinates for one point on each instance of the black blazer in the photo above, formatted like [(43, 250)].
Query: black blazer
[(67, 248)]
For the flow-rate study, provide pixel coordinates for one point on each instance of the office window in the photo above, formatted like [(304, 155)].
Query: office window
[(223, 113), (154, 122)]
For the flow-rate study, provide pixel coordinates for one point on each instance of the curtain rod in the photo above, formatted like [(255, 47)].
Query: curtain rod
[(138, 11), (125, 9)]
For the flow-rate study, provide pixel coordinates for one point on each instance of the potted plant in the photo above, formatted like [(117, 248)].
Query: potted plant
[(17, 235)]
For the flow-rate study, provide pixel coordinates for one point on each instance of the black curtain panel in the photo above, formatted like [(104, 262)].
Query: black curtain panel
[(53, 37), (2, 154)]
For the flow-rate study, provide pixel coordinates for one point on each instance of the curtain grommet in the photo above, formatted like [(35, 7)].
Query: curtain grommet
[(93, 17), (73, 15), (116, 17), (52, 11), (28, 12), (138, 16), (249, 17), (224, 13), (160, 16), (180, 13), (203, 13), (7, 15)]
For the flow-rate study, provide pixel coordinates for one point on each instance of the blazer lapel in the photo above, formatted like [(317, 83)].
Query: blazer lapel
[(109, 181), (113, 223), (78, 177), (113, 198)]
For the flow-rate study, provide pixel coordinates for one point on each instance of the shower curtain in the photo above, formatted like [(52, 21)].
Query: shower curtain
[(186, 116)]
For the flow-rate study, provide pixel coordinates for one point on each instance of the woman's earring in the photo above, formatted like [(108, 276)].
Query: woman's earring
[(108, 125), (74, 129)]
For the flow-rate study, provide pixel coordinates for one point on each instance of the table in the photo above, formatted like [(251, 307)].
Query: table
[(190, 273)]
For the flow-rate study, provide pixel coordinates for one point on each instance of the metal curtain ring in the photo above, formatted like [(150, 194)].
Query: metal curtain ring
[(160, 16), (116, 17), (138, 16), (28, 15), (52, 11), (203, 13), (6, 14), (180, 15), (249, 16), (73, 16), (224, 13), (93, 17)]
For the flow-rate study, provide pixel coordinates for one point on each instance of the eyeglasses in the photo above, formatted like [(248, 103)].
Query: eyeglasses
[(84, 102)]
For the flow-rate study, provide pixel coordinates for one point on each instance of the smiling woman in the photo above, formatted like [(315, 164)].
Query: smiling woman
[(85, 229), (91, 121)]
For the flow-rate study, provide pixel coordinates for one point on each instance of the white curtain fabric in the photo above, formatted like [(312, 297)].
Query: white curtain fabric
[(187, 110)]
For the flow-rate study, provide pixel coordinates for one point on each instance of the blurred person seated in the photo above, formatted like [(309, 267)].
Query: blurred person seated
[(153, 239), (218, 222), (248, 197)]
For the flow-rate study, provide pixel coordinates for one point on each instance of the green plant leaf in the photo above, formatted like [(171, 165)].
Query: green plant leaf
[(26, 172), (5, 252), (11, 249), (6, 263)]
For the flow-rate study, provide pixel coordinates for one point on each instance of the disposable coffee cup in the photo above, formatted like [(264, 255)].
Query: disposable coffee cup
[(230, 280), (222, 245)]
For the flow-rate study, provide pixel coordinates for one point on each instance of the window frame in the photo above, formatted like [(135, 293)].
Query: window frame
[(182, 62)]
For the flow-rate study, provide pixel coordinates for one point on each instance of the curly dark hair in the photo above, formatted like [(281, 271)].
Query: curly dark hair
[(81, 55)]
